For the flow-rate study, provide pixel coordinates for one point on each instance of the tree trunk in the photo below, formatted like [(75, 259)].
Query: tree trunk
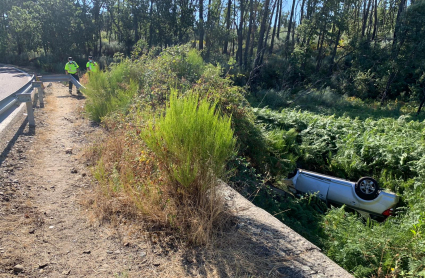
[(274, 30), (375, 24), (319, 54), (365, 16), (240, 34), (254, 31), (293, 32), (96, 10), (358, 7), (334, 51), (397, 27), (280, 18), (135, 24), (422, 102), (268, 30), (302, 12), (112, 18), (290, 23), (248, 36), (260, 47), (387, 87), (207, 37), (150, 25), (201, 24), (226, 40), (100, 42), (372, 13), (236, 27)]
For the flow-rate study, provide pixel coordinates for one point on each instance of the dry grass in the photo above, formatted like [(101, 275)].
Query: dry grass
[(132, 185), (199, 241), (133, 188), (129, 183)]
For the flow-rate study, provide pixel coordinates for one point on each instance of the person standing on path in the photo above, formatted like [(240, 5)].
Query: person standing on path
[(72, 68), (92, 66)]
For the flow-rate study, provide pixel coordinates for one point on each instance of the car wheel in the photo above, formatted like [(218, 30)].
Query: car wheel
[(367, 188)]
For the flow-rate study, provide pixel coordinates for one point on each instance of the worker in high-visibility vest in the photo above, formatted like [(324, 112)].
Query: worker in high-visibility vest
[(72, 68), (91, 65)]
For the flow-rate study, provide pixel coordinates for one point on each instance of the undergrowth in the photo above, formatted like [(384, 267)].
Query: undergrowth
[(166, 174), (192, 144), (168, 167), (328, 102), (392, 151)]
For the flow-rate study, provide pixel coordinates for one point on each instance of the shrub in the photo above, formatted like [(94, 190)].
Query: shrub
[(391, 249), (111, 90), (192, 143), (109, 49)]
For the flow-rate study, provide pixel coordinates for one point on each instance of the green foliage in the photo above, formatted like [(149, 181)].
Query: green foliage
[(347, 145), (301, 214), (394, 248), (351, 148), (328, 102), (193, 142), (392, 151), (111, 90), (183, 69)]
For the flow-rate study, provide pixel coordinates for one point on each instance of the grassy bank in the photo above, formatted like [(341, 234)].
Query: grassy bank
[(161, 158), (169, 140)]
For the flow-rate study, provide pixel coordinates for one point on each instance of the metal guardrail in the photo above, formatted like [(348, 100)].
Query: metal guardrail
[(60, 78), (25, 94), (11, 100)]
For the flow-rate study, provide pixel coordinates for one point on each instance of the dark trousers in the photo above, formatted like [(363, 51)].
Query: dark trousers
[(76, 78)]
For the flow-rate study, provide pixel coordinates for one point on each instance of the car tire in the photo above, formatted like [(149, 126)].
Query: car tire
[(367, 188)]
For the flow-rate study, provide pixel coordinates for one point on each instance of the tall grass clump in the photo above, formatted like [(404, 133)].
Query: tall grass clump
[(193, 142), (110, 90)]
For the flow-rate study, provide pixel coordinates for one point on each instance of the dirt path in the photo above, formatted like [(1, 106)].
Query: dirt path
[(45, 232)]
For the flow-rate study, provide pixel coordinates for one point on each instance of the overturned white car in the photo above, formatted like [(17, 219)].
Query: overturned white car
[(364, 195)]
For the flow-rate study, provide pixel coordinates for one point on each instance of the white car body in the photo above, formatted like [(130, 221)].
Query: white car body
[(340, 191)]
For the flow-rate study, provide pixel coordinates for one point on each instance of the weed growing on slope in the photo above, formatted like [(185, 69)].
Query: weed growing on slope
[(111, 90), (192, 144), (165, 168)]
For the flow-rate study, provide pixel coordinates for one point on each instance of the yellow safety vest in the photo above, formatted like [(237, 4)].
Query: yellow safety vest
[(71, 67), (93, 66)]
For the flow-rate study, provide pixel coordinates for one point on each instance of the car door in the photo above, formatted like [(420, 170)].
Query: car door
[(311, 183)]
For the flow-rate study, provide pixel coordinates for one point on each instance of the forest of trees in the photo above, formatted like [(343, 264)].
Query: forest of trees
[(363, 48)]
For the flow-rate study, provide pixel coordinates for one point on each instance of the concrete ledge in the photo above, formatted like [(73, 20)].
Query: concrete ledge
[(297, 257)]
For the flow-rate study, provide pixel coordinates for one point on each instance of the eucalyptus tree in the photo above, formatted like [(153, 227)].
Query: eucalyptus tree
[(23, 29)]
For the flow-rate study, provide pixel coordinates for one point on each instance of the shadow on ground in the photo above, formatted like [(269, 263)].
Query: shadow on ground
[(20, 132), (250, 249), (78, 96)]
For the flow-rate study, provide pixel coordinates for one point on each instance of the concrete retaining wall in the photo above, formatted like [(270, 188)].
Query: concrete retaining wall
[(296, 256)]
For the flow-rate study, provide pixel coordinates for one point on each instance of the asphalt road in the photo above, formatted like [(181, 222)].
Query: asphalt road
[(11, 80)]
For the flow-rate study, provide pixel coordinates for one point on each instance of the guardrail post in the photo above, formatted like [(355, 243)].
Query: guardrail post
[(30, 114), (26, 96), (39, 86)]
